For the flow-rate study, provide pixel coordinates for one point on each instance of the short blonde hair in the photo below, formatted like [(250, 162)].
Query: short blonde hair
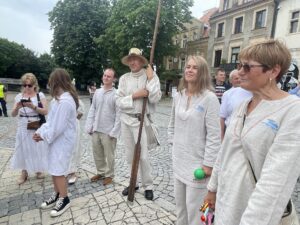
[(32, 79), (269, 53), (203, 79)]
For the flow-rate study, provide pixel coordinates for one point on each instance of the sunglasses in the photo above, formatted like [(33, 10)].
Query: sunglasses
[(27, 85), (247, 67)]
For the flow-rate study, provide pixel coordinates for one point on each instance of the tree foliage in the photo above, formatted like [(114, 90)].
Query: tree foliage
[(76, 25), (15, 60), (131, 24)]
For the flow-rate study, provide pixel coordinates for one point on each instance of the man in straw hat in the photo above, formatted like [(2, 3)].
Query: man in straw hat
[(133, 87)]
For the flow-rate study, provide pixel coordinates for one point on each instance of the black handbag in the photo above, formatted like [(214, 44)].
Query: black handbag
[(40, 105)]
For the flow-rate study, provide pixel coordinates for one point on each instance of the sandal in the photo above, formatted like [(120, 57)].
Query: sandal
[(72, 179), (23, 177), (39, 175), (97, 177)]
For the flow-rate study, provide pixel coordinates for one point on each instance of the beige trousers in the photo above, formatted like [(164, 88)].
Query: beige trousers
[(104, 153), (188, 202), (129, 137)]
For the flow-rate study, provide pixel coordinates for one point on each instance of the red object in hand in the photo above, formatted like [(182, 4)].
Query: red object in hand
[(203, 219)]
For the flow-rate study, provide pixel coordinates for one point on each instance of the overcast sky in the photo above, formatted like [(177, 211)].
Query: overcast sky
[(26, 21)]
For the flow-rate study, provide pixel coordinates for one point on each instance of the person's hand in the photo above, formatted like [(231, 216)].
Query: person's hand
[(79, 115), (207, 170), (149, 72), (210, 198), (19, 105), (111, 137), (141, 93), (29, 105), (37, 137)]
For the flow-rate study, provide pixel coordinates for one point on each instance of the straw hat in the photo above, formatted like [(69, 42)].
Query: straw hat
[(136, 53)]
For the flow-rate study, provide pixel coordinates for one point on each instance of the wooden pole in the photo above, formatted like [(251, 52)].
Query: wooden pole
[(137, 148)]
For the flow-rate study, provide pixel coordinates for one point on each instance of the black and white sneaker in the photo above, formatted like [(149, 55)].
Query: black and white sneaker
[(61, 206), (51, 201)]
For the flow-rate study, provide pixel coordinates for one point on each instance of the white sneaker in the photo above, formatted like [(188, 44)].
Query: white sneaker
[(51, 201), (61, 206)]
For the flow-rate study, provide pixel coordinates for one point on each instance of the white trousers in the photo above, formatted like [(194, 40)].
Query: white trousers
[(188, 202), (129, 137)]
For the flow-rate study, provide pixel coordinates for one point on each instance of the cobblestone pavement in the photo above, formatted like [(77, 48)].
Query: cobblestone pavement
[(91, 203)]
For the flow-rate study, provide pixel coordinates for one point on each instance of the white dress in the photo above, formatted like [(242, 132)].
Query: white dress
[(76, 156), (28, 154), (60, 133)]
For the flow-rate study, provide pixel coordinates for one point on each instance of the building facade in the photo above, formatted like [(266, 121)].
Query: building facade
[(288, 27), (238, 23), (189, 39)]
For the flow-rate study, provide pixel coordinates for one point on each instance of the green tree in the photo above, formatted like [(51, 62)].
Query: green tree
[(15, 60), (131, 24), (46, 64), (76, 25)]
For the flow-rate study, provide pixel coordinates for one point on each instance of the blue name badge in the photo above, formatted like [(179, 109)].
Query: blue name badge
[(272, 124), (199, 108)]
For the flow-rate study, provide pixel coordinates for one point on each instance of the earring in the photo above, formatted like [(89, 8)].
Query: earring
[(270, 80)]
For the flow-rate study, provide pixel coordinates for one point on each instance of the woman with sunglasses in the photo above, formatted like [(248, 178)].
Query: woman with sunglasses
[(258, 165), (29, 156), (60, 133)]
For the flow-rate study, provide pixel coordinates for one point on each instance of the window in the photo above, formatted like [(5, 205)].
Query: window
[(182, 64), (260, 19), (238, 25), (218, 55), (170, 62), (294, 22), (195, 36), (220, 32), (234, 54), (225, 5), (184, 41)]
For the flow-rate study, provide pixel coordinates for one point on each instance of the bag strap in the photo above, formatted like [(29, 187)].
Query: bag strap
[(39, 100), (251, 168)]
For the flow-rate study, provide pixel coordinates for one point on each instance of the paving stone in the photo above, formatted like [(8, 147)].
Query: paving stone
[(92, 203)]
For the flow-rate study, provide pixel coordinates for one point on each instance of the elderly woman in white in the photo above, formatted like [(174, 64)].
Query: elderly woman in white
[(194, 131), (258, 165)]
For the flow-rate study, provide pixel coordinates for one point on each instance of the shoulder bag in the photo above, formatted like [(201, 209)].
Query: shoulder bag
[(40, 105)]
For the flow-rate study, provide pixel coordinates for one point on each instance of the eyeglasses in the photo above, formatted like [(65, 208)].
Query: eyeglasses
[(27, 85), (247, 67)]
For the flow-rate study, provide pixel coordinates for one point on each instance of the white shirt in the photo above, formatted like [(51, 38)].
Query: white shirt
[(130, 83), (195, 134), (232, 99), (269, 139), (104, 115), (60, 133)]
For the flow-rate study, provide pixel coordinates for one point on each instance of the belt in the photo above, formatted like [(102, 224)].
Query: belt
[(29, 116), (137, 115)]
